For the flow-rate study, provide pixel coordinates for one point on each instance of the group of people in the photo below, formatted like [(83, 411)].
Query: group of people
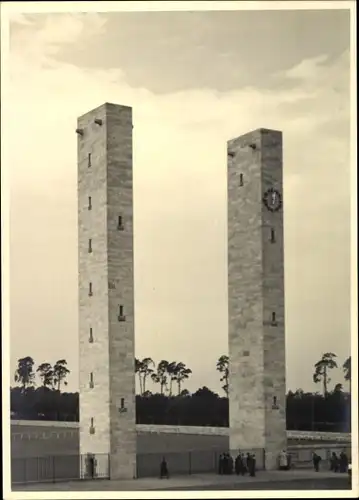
[(242, 464), (246, 464), (339, 463)]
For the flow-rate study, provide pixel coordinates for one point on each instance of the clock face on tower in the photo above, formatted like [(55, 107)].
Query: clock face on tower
[(272, 200)]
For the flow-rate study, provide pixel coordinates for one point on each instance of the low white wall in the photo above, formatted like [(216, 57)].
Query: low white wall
[(45, 423), (319, 436), (181, 429)]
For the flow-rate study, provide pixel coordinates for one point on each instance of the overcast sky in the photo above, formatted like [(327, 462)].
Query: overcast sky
[(194, 80)]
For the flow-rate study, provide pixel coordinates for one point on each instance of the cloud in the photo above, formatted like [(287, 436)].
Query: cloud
[(19, 19), (305, 69), (40, 36), (180, 211)]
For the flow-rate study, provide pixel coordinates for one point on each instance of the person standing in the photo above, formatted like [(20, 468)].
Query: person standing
[(331, 462), (316, 461), (164, 469), (283, 460), (91, 464), (243, 462), (220, 464), (343, 462), (237, 464), (248, 462), (225, 463), (334, 462), (230, 464), (253, 465)]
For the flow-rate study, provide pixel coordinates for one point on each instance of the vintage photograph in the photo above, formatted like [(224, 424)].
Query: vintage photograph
[(179, 189)]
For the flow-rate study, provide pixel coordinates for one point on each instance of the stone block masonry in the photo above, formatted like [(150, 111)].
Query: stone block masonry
[(256, 294), (106, 287)]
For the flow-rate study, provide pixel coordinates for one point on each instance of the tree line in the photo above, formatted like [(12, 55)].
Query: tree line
[(166, 374), (174, 405), (51, 376)]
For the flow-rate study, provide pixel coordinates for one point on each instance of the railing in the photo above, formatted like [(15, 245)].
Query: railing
[(76, 467), (59, 468)]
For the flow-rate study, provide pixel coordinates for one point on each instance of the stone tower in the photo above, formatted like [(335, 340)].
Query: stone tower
[(106, 290), (257, 387)]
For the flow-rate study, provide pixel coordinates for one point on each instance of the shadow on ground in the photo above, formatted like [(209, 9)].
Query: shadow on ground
[(299, 484)]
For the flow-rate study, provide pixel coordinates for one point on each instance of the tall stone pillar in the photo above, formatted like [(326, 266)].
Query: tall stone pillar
[(106, 289), (257, 385)]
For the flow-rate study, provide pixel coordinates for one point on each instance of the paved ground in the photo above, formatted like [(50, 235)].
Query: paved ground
[(299, 484), (291, 480)]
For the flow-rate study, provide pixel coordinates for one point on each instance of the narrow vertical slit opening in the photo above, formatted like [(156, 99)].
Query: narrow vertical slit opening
[(274, 319), (120, 223), (121, 315), (272, 235)]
